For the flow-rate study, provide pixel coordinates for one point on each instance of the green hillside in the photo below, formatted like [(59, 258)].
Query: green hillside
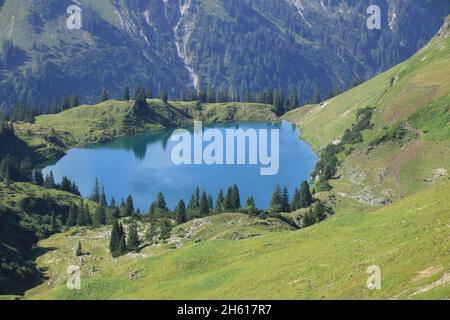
[(407, 146), (391, 195), (408, 240), (52, 135)]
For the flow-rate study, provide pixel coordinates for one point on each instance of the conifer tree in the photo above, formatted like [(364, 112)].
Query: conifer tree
[(96, 192), (53, 223), (220, 202), (133, 240), (251, 207), (84, 218), (276, 204), (114, 242), (73, 216), (79, 250), (49, 182), (204, 206), (286, 207), (210, 203), (99, 216), (161, 204), (129, 207), (305, 197), (235, 198), (151, 232), (181, 216), (38, 178), (102, 200), (166, 228), (228, 203)]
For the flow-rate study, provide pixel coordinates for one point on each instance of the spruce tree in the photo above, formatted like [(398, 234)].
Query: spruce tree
[(133, 240), (161, 204), (305, 199), (96, 192), (79, 250), (251, 207), (228, 203), (73, 216), (129, 207), (276, 204), (103, 202), (53, 223), (99, 216), (49, 182), (84, 218), (180, 212), (38, 178), (220, 202), (235, 198), (166, 228), (204, 206), (286, 207), (151, 232), (115, 239)]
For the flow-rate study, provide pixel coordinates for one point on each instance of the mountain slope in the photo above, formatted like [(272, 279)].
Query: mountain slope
[(186, 45), (407, 239), (408, 143)]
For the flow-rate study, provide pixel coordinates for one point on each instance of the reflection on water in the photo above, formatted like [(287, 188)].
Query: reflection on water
[(141, 165)]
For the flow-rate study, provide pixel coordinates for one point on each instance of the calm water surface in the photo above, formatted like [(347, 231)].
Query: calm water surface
[(141, 166)]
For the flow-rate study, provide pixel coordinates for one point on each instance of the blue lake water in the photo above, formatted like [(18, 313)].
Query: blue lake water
[(142, 166)]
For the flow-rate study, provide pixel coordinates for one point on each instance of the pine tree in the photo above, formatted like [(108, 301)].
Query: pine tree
[(161, 204), (73, 216), (102, 200), (235, 198), (276, 204), (99, 216), (197, 198), (129, 207), (84, 218), (210, 203), (180, 212), (38, 178), (228, 202), (220, 202), (79, 250), (204, 206), (122, 248), (133, 240), (151, 232), (251, 207), (53, 223), (305, 199), (114, 242), (96, 192), (166, 228), (49, 182), (286, 207)]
